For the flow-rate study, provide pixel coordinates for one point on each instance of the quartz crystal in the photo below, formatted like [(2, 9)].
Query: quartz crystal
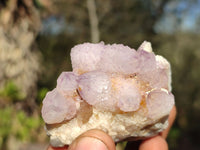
[(61, 108), (120, 90)]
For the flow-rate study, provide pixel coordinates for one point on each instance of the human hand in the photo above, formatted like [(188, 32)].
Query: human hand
[(98, 140)]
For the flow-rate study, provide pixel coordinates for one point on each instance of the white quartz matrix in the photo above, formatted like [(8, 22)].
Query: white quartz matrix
[(124, 92)]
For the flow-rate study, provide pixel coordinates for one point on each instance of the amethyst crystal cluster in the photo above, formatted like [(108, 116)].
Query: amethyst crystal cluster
[(112, 87)]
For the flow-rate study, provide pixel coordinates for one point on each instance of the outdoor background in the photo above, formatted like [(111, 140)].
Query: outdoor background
[(35, 41)]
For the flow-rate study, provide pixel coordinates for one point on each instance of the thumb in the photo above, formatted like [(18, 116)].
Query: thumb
[(93, 139)]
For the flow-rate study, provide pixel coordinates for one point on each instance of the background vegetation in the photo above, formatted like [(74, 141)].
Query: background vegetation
[(35, 41)]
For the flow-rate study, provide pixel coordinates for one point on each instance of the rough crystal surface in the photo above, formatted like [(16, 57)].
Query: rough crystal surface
[(67, 83), (85, 57), (129, 96), (117, 58), (124, 92), (95, 88)]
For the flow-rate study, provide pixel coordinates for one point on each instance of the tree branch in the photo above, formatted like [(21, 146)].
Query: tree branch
[(94, 29)]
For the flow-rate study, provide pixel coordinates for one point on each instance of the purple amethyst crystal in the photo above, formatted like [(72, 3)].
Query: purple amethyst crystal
[(57, 108), (112, 78)]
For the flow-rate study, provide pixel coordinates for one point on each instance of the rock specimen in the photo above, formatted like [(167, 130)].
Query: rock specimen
[(124, 92)]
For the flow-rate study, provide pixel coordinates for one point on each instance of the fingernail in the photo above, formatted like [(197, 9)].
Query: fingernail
[(88, 143)]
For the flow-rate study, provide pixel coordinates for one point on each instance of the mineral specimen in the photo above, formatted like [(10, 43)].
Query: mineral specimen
[(124, 92)]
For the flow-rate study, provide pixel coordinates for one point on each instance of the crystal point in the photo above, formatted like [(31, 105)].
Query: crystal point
[(56, 108), (159, 103)]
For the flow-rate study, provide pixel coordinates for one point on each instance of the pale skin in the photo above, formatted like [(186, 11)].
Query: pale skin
[(99, 140)]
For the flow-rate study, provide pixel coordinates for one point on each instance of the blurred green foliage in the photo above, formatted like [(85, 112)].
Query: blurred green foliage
[(17, 124), (173, 136), (11, 91), (41, 94)]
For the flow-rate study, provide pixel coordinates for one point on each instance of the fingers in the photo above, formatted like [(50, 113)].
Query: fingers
[(90, 140), (171, 119), (93, 139), (155, 143)]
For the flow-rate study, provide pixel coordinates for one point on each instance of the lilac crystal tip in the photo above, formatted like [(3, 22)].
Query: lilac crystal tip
[(112, 78), (56, 108)]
